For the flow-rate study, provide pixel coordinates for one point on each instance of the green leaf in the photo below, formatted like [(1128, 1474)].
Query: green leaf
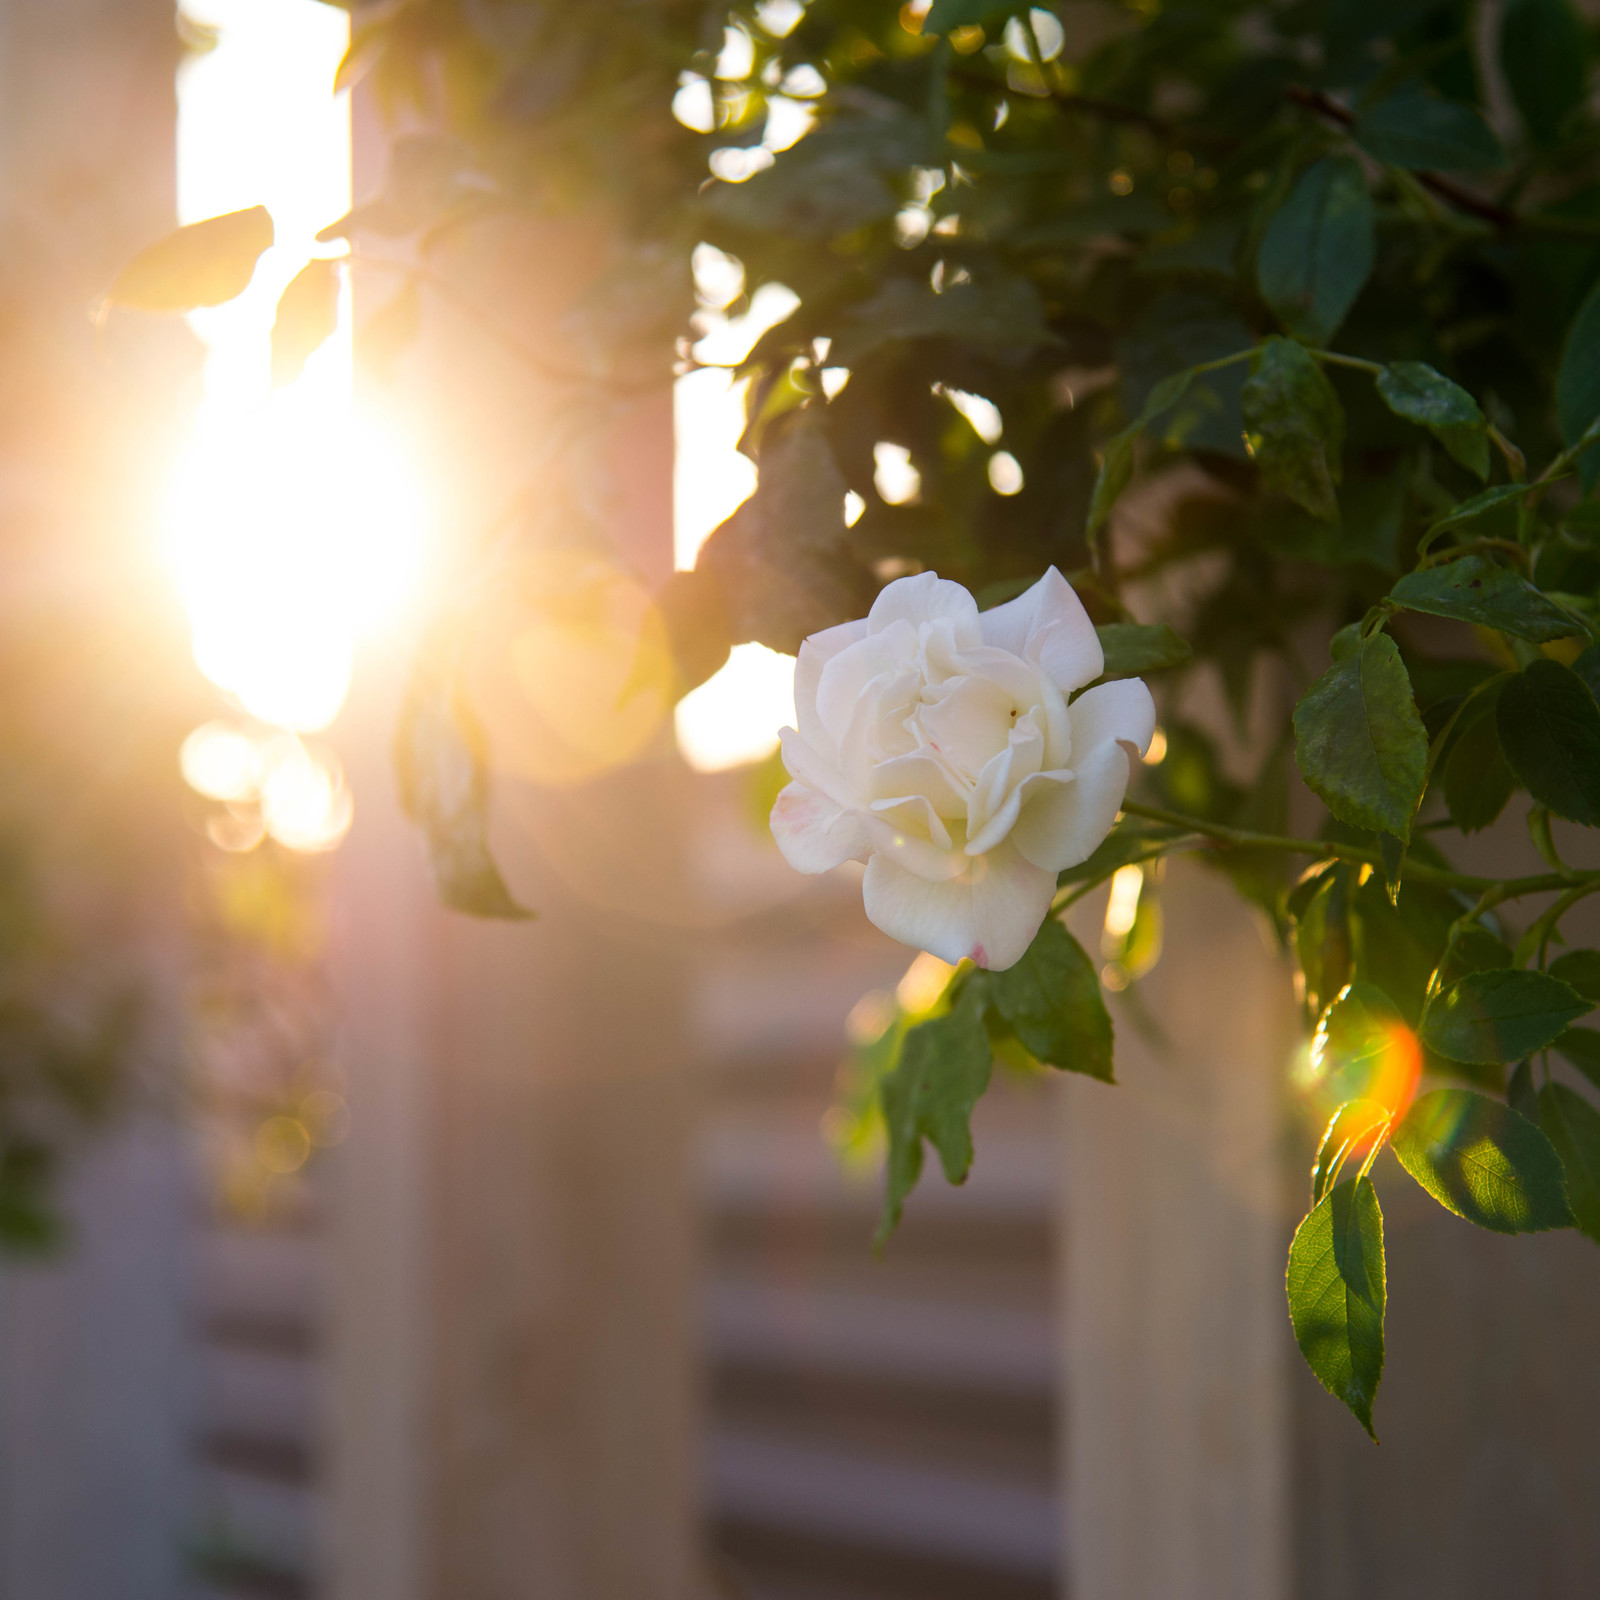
[(1550, 731), (202, 264), (1481, 1160), (1572, 1125), (1318, 249), (444, 786), (308, 314), (1477, 781), (1352, 1126), (1580, 968), (1544, 52), (1476, 589), (943, 1070), (1581, 1047), (1416, 129), (1051, 1000), (1500, 1015), (1578, 383), (1336, 1295), (1480, 504), (1134, 647), (1004, 313), (1359, 741), (1294, 426), (947, 14), (1116, 473), (1587, 667), (1416, 392), (1132, 840)]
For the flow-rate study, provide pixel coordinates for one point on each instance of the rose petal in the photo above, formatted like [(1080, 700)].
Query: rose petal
[(1062, 823), (924, 598), (970, 723), (989, 913), (1048, 625), (997, 796), (1122, 710), (846, 677), (924, 774), (813, 833), (815, 654), (913, 814), (807, 766)]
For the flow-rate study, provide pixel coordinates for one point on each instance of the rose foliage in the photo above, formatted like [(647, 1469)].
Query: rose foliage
[(1263, 324)]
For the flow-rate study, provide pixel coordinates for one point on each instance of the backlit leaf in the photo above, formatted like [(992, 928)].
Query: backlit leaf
[(1572, 1125), (1351, 1130), (444, 787), (203, 264), (1051, 1000), (1481, 1160), (1500, 1015), (1359, 741), (308, 314), (1550, 731), (943, 1070), (1294, 426), (1336, 1291)]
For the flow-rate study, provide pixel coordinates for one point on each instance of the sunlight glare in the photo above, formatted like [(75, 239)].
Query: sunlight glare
[(292, 524)]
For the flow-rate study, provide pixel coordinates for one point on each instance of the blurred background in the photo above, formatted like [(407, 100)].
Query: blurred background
[(359, 1250)]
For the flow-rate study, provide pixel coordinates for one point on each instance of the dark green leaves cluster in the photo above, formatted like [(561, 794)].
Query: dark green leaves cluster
[(1049, 1002)]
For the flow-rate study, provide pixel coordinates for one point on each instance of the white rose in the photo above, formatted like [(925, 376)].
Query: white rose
[(937, 744)]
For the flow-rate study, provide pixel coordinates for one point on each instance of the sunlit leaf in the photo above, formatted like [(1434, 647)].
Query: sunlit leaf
[(1359, 741), (943, 1070), (1352, 1128), (1415, 128), (1051, 1000), (1481, 1160), (1572, 1125), (308, 314), (203, 264), (1500, 1015), (1318, 249), (444, 787), (1336, 1286), (1294, 425), (1475, 589), (1549, 728), (1132, 648)]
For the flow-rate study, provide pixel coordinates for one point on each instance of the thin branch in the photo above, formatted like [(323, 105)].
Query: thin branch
[(1324, 849), (1325, 106)]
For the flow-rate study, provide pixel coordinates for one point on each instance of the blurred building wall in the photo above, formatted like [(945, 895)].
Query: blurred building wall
[(96, 1377)]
